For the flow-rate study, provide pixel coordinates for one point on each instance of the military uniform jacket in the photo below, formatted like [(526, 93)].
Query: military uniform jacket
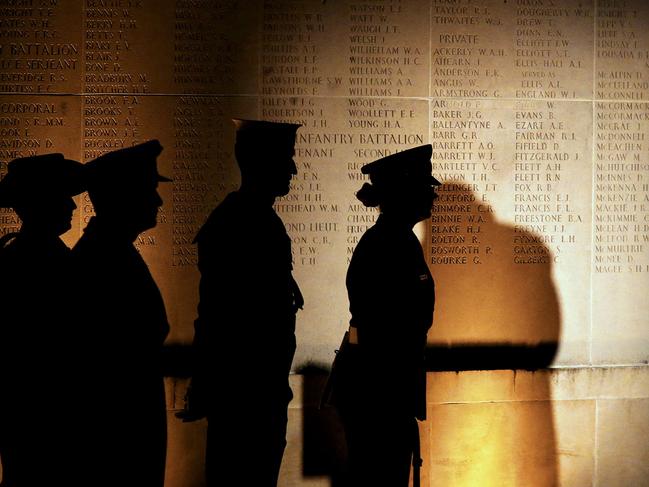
[(36, 359), (36, 287), (392, 296), (247, 296), (124, 327)]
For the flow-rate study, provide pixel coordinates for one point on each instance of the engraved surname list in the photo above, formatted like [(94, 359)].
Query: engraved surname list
[(215, 45), (622, 50), (290, 53), (553, 49), (388, 49), (621, 213), (466, 136), (40, 47)]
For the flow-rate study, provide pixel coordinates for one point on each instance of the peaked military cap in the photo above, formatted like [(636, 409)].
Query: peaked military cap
[(261, 131), (411, 163), (39, 177), (130, 167)]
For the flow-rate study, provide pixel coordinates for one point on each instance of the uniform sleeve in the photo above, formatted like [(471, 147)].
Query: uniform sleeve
[(220, 294), (373, 295), (387, 302)]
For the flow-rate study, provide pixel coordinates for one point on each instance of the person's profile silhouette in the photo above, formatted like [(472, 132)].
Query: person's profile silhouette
[(245, 331), (36, 286), (379, 383), (125, 323)]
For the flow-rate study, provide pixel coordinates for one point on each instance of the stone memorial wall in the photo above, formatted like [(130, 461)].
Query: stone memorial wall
[(537, 112)]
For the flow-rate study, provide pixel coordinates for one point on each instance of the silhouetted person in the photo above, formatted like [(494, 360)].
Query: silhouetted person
[(245, 331), (36, 288), (125, 323), (381, 386)]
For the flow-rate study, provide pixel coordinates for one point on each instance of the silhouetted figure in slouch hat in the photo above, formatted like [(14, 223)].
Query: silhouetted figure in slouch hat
[(245, 331), (36, 353), (125, 323)]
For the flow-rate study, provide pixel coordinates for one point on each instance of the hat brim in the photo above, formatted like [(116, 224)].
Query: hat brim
[(67, 181)]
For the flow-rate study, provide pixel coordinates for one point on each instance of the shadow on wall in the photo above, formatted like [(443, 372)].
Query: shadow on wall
[(500, 310)]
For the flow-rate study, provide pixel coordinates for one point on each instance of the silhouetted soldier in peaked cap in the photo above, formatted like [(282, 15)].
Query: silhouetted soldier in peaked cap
[(35, 331), (245, 331), (125, 323), (380, 389)]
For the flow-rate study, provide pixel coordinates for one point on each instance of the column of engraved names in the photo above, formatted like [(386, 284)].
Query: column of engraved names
[(621, 213), (291, 33), (39, 47), (111, 106), (110, 122), (109, 111), (110, 29), (467, 148), (211, 47), (468, 55), (388, 46), (203, 171), (310, 211), (553, 49), (545, 168), (378, 128), (622, 50), (364, 114)]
